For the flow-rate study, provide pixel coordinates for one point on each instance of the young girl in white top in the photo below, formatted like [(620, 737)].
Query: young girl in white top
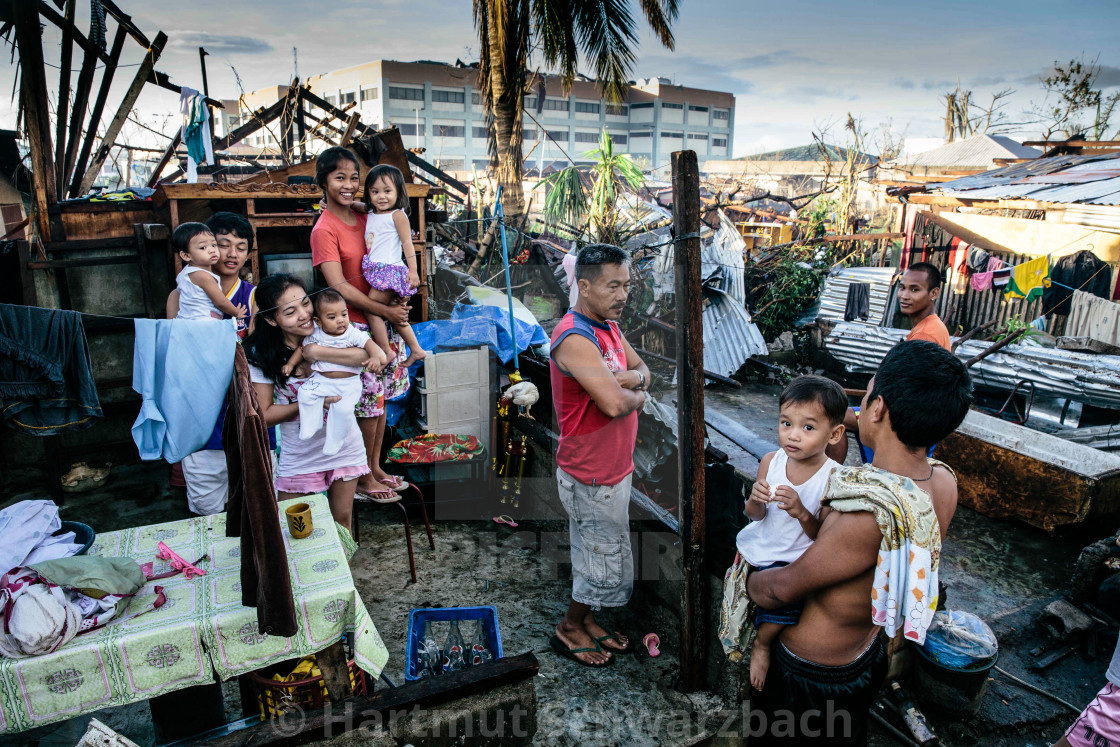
[(390, 262), (200, 289), (332, 330), (785, 505)]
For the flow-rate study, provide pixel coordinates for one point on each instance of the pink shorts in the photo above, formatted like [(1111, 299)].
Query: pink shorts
[(318, 482), (1099, 723)]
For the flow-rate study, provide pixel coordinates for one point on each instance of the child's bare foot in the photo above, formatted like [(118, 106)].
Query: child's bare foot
[(760, 664), (415, 355)]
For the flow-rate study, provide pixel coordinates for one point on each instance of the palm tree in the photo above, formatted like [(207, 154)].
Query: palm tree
[(603, 31), (612, 176)]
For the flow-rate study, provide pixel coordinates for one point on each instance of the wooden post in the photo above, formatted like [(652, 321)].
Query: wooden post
[(301, 126), (64, 64), (690, 418), (206, 92), (129, 100), (77, 168), (286, 125), (33, 93)]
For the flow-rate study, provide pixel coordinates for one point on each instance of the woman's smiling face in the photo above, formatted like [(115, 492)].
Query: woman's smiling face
[(293, 313), (342, 183)]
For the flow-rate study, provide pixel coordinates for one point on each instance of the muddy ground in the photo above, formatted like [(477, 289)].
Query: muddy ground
[(1001, 570)]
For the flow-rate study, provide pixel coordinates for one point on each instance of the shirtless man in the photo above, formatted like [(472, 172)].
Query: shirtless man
[(826, 670)]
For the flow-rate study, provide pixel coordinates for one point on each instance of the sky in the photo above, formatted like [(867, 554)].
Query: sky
[(795, 67)]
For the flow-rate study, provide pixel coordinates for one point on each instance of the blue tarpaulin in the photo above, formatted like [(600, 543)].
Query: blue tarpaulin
[(471, 326)]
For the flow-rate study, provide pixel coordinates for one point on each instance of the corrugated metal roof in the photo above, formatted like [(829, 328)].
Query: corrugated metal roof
[(977, 152), (1085, 377), (834, 297), (1088, 181)]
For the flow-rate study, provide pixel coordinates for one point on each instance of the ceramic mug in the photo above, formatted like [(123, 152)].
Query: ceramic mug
[(299, 520)]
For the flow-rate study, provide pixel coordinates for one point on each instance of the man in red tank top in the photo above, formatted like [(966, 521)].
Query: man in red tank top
[(598, 388)]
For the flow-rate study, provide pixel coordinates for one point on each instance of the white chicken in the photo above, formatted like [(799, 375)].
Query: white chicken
[(524, 394)]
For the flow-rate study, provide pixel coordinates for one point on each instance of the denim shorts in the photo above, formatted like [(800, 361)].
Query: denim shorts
[(599, 524), (785, 615)]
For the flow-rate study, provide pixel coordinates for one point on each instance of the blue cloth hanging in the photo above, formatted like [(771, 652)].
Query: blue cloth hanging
[(182, 369)]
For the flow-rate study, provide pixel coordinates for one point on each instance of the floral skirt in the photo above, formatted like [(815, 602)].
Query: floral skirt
[(391, 383), (386, 277)]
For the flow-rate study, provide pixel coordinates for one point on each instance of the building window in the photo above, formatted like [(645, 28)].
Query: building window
[(719, 142), (439, 130), (530, 102), (369, 94), (448, 97), (409, 128), (234, 120), (618, 139), (406, 94), (616, 110), (481, 164), (529, 133), (668, 105), (332, 100), (558, 135), (646, 105), (587, 137), (692, 108), (347, 98), (673, 135), (587, 107), (480, 132), (639, 135), (697, 136), (721, 114), (556, 105), (476, 98)]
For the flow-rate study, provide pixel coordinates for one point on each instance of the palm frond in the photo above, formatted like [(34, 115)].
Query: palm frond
[(607, 33), (553, 23), (661, 14), (566, 198)]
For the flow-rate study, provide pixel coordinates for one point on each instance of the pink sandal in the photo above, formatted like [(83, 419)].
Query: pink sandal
[(651, 642)]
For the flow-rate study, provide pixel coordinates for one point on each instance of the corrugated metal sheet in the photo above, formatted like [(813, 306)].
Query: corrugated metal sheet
[(730, 337), (1022, 181), (721, 260), (834, 297), (976, 152), (1084, 377)]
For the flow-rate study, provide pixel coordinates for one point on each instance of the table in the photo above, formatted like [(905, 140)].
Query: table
[(202, 633)]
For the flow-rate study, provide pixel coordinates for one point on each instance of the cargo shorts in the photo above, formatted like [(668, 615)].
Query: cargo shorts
[(599, 524)]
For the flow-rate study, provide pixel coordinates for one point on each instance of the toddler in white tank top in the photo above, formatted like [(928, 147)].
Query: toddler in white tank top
[(785, 503)]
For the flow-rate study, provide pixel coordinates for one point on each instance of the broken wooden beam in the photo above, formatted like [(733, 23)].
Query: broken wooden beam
[(441, 175), (114, 128), (125, 22), (66, 59), (348, 134), (70, 35), (163, 80), (153, 180), (76, 167), (257, 120), (33, 94)]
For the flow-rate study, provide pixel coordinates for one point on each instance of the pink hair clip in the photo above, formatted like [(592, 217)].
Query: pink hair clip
[(180, 565)]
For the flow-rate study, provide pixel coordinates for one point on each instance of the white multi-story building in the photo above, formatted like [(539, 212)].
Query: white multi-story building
[(438, 107)]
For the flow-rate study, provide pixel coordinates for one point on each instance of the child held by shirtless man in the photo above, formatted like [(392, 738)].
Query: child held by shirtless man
[(785, 504)]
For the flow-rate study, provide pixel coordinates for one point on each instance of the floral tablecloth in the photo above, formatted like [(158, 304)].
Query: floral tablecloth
[(202, 632)]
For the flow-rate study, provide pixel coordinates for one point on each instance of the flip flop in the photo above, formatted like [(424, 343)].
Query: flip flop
[(379, 496), (395, 483), (651, 642), (570, 653), (601, 640), (504, 519)]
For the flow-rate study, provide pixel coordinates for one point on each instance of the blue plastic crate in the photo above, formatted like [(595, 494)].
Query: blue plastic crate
[(417, 618)]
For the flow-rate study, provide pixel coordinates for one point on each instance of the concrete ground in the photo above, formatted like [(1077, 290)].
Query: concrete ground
[(1001, 570)]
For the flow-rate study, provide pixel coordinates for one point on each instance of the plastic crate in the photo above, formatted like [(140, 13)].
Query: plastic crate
[(417, 618), (310, 693), (456, 368)]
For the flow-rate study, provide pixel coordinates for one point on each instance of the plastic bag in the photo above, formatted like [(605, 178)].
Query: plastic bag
[(960, 640)]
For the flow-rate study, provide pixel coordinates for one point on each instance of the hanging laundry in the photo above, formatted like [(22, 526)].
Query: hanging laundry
[(196, 131), (1093, 317), (181, 368), (982, 281), (978, 259), (1029, 279), (858, 305), (1082, 271), (1001, 277), (252, 513), (46, 380)]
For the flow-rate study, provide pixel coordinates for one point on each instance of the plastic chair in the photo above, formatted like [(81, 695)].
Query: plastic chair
[(407, 525)]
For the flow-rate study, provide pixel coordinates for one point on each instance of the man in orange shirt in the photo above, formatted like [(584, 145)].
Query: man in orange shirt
[(918, 291)]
